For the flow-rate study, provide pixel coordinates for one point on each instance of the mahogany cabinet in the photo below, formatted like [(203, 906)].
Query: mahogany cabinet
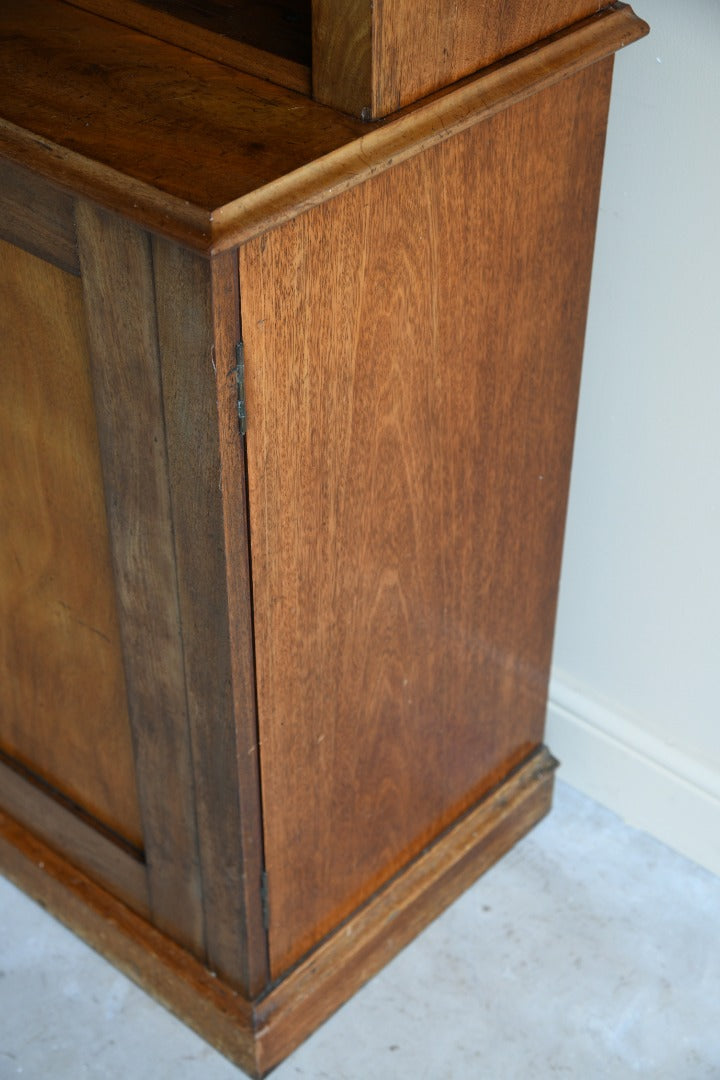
[(287, 403)]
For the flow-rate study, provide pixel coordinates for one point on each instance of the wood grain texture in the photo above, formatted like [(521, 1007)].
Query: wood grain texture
[(195, 169), (119, 292), (102, 855), (344, 54), (412, 364), (196, 130), (221, 711), (174, 977), (370, 59), (63, 708), (258, 1035), (429, 123), (421, 47), (37, 217), (392, 918), (226, 34)]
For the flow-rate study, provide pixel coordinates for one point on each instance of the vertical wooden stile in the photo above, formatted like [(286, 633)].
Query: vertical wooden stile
[(117, 275), (197, 329)]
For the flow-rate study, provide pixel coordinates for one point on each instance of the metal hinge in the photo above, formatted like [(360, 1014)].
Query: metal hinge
[(265, 900), (240, 376)]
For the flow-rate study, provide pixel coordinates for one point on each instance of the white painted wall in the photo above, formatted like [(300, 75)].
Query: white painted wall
[(635, 693)]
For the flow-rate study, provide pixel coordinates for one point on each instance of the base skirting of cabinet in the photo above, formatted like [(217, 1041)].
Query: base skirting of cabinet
[(258, 1035)]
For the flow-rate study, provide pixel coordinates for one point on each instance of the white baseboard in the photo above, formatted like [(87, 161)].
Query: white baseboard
[(650, 784)]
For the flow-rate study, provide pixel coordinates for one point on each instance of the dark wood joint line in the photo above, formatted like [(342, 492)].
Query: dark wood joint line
[(198, 330)]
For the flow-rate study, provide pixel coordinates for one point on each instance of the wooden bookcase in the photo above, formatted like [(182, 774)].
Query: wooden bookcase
[(287, 406)]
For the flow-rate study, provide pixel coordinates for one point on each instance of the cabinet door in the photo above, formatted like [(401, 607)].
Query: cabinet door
[(127, 703), (412, 357), (94, 745)]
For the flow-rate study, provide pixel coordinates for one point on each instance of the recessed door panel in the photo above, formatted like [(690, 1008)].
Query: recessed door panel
[(63, 711)]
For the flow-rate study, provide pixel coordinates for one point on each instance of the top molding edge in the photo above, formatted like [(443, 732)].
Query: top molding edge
[(386, 143)]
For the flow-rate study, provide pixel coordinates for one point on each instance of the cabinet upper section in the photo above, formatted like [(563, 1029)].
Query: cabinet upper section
[(195, 148), (373, 58), (365, 57)]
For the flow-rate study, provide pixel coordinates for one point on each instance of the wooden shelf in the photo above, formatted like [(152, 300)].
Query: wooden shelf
[(270, 40)]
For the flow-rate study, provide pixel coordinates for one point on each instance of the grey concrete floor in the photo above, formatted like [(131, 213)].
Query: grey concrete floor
[(590, 951)]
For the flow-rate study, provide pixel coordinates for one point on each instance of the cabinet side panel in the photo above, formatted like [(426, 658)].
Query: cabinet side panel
[(412, 362), (63, 708)]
